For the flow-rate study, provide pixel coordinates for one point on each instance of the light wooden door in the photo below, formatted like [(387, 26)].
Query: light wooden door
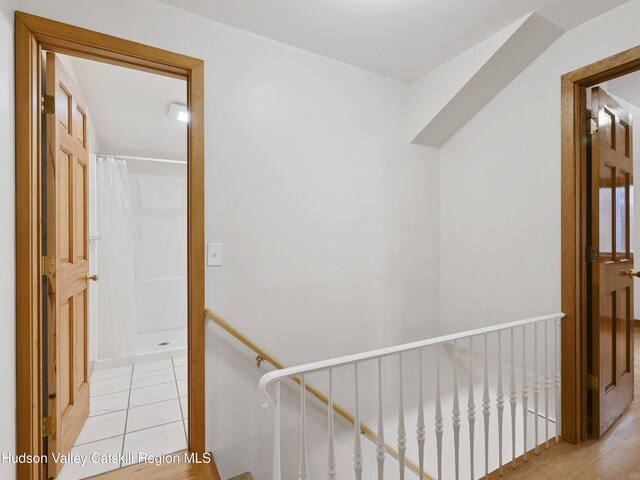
[(67, 179), (611, 269)]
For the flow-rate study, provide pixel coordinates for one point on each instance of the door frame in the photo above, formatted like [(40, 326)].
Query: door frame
[(32, 35), (574, 233)]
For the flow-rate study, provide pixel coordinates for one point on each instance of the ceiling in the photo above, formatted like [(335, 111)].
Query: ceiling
[(129, 109), (403, 39), (627, 88)]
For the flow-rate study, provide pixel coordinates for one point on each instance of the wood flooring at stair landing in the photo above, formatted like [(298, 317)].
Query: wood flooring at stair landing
[(614, 457), (143, 472), (173, 471)]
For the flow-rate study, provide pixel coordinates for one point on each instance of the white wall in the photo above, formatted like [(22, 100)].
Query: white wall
[(7, 239), (500, 186), (329, 217)]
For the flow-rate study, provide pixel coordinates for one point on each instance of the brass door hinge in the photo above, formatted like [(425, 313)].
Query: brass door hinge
[(593, 126), (48, 426), (48, 104), (592, 255), (48, 265), (592, 382)]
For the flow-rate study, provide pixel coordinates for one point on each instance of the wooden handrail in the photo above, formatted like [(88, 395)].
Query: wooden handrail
[(226, 326), (263, 355)]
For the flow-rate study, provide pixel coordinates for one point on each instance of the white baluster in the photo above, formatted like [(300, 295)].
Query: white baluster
[(536, 386), (402, 433), (277, 468), (557, 342), (439, 424), (471, 411), (331, 456), (513, 401), (380, 450), (500, 403), (547, 383), (455, 414), (358, 460), (420, 427), (525, 394), (486, 406), (303, 471)]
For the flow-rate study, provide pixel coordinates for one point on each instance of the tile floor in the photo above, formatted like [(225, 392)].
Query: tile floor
[(135, 408)]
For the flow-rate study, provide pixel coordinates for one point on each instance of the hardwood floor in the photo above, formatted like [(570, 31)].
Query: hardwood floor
[(180, 471), (175, 471), (616, 456)]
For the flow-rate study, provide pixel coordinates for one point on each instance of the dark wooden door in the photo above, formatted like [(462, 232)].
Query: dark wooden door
[(611, 275)]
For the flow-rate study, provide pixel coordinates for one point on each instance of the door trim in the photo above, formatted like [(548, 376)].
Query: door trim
[(32, 35), (574, 233)]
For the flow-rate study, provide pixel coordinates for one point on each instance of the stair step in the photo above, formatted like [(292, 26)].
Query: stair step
[(243, 476)]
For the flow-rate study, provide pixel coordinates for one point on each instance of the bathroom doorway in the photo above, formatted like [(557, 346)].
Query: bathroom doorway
[(43, 430), (115, 172)]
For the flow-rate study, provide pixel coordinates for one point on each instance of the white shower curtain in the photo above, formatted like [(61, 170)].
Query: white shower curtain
[(117, 329)]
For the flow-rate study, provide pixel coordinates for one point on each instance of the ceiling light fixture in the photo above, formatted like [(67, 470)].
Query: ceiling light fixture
[(178, 112)]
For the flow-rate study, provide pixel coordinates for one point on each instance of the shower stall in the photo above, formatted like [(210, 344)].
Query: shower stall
[(141, 254)]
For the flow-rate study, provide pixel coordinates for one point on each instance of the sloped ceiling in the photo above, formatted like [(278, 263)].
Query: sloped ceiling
[(520, 47), (502, 58), (627, 88), (403, 39)]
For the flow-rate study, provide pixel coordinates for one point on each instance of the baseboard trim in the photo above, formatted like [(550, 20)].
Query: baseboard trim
[(141, 357)]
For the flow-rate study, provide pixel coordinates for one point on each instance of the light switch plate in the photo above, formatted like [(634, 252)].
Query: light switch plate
[(214, 254)]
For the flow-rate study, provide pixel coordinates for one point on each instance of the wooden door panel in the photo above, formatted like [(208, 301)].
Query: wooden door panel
[(80, 181), (623, 214), (64, 226), (64, 105), (607, 335), (80, 318), (611, 285), (608, 131), (67, 241), (80, 123), (623, 333), (64, 393), (624, 133), (606, 216)]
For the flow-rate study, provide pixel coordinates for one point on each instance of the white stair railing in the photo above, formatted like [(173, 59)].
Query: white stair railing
[(517, 331)]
